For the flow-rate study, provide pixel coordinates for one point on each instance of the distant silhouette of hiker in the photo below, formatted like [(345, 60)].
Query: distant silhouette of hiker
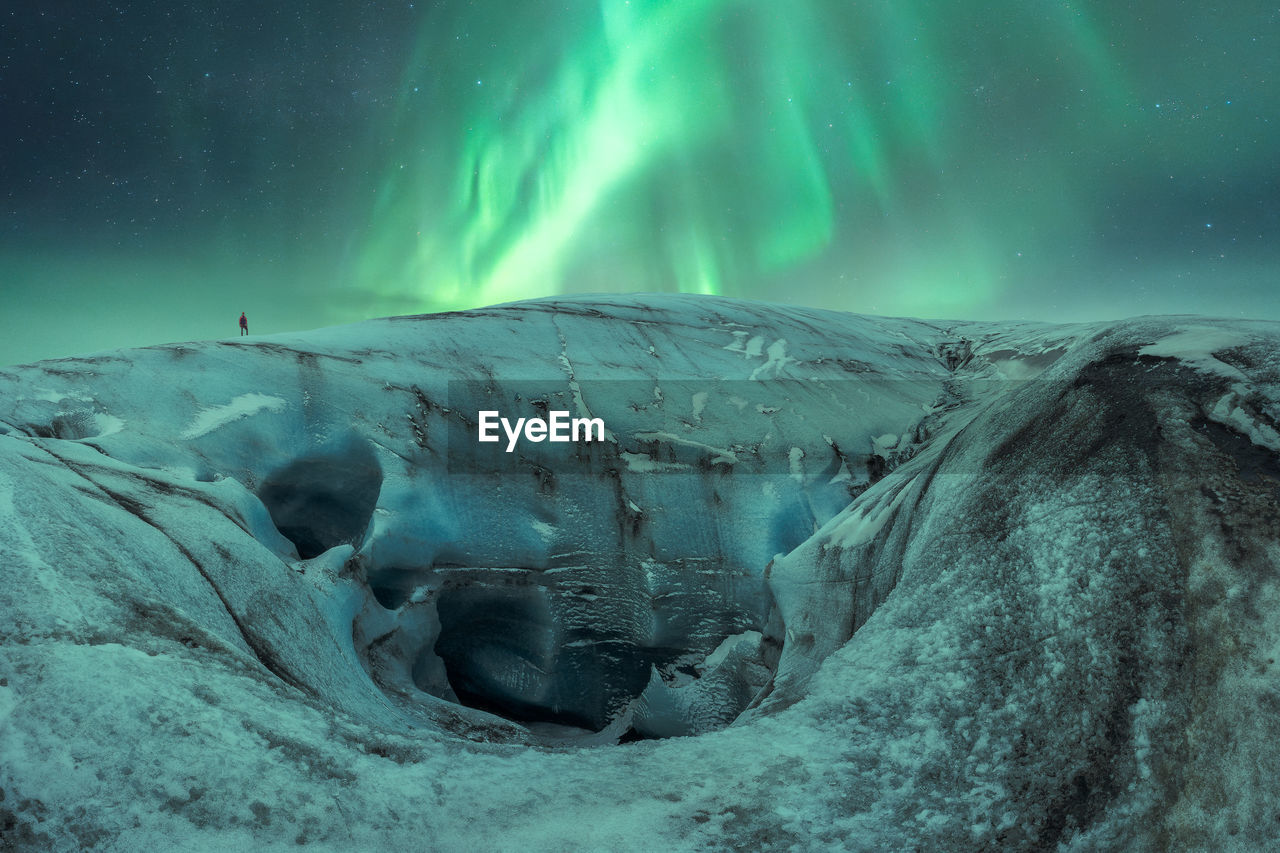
[(244, 324)]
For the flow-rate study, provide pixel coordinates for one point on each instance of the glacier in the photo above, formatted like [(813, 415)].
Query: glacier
[(830, 582)]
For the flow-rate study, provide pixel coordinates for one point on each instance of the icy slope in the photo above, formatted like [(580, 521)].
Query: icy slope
[(909, 584)]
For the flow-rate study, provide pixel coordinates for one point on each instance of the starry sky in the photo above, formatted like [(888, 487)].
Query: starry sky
[(165, 166)]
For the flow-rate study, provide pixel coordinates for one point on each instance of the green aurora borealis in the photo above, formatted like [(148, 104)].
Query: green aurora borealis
[(337, 161)]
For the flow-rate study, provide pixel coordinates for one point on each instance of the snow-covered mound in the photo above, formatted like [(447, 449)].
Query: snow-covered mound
[(822, 581)]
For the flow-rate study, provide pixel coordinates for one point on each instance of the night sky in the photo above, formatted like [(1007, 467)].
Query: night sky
[(165, 166)]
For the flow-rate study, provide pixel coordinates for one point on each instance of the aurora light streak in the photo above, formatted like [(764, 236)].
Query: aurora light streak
[(1049, 160), (902, 157)]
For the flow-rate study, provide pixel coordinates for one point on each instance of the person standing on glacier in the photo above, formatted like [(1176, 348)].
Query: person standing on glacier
[(244, 324)]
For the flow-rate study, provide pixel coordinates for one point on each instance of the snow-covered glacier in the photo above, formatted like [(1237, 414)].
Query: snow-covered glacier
[(826, 581)]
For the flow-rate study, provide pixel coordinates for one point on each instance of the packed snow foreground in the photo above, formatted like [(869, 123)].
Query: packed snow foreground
[(817, 581)]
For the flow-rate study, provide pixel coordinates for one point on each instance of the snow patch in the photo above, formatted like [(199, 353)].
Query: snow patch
[(720, 455), (699, 405), (861, 525), (778, 359), (738, 345), (1195, 346), (643, 463), (107, 424), (46, 395), (884, 444), (1228, 412), (796, 459), (215, 417)]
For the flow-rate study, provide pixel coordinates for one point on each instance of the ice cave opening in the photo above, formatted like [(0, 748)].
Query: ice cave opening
[(636, 651), (325, 499), (653, 618)]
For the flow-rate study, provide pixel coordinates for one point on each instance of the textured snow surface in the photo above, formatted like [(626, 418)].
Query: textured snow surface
[(835, 582)]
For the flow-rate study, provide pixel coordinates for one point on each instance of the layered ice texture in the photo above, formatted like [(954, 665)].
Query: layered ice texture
[(829, 582)]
